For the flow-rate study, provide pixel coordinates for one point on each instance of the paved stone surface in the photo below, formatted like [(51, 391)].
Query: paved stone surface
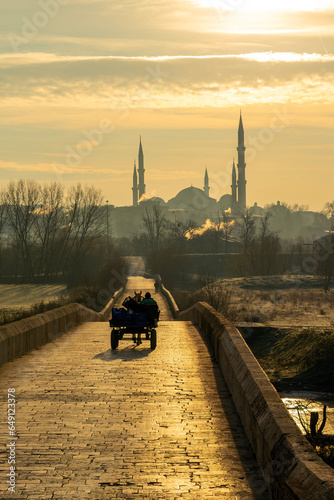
[(136, 266), (132, 423), (140, 284)]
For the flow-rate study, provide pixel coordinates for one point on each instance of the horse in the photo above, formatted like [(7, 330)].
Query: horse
[(138, 296)]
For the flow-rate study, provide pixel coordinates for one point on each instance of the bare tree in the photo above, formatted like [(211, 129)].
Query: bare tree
[(84, 220), (48, 226), (3, 210), (261, 245), (264, 248), (247, 228), (216, 294), (22, 199), (328, 209), (226, 226), (178, 230), (323, 251), (154, 224), (3, 215), (89, 218), (53, 232)]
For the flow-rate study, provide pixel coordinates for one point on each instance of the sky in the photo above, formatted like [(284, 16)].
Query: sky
[(82, 80)]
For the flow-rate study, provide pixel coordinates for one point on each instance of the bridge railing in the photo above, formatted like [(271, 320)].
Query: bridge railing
[(105, 313), (169, 297), (290, 466), (20, 337)]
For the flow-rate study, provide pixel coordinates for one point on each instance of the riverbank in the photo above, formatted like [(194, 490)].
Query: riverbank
[(296, 358)]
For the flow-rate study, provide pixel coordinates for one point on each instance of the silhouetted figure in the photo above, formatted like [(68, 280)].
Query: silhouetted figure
[(148, 300), (133, 303)]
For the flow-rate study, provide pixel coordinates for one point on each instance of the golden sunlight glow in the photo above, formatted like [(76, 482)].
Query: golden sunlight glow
[(265, 5)]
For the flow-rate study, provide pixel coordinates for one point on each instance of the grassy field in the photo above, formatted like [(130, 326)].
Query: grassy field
[(270, 300), (20, 301), (24, 296), (282, 300), (281, 282), (291, 307), (296, 344)]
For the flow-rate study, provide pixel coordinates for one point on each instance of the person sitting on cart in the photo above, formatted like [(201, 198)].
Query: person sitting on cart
[(151, 309), (148, 300)]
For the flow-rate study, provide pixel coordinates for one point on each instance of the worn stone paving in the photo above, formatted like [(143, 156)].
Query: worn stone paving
[(140, 284), (132, 423)]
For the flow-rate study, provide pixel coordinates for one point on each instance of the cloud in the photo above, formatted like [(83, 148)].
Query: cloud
[(28, 167), (61, 168), (258, 5), (147, 27), (39, 79), (9, 60)]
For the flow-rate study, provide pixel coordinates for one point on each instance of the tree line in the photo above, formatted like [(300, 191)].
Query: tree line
[(49, 232), (257, 248)]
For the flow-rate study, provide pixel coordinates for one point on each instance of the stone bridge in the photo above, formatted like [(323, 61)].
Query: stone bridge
[(91, 423)]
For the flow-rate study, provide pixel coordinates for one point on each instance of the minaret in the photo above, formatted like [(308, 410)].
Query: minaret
[(135, 187), (241, 166), (234, 186), (141, 170), (206, 183)]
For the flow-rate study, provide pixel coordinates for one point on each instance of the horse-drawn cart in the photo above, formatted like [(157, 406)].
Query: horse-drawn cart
[(136, 319)]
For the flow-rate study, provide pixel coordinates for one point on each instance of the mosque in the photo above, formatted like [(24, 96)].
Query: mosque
[(196, 205), (195, 198), (190, 203)]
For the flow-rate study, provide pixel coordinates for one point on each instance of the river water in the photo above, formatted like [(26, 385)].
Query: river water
[(307, 402)]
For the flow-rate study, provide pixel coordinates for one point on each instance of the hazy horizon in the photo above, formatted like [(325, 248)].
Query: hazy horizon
[(177, 73)]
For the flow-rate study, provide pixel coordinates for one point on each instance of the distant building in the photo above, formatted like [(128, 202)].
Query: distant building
[(141, 173), (195, 204), (226, 202), (192, 203), (241, 166), (256, 210), (135, 187), (206, 188), (234, 187), (196, 199), (138, 181)]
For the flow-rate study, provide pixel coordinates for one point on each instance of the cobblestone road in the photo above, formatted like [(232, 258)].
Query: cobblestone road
[(143, 285), (132, 423)]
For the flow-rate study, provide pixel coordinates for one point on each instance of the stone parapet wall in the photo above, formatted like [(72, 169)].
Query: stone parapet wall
[(170, 300), (169, 297), (105, 313), (291, 467), (21, 337)]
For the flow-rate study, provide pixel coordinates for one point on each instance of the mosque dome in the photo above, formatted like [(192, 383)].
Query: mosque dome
[(256, 210), (225, 201), (154, 199), (192, 197)]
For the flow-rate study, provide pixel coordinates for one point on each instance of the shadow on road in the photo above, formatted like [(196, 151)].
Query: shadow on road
[(127, 353)]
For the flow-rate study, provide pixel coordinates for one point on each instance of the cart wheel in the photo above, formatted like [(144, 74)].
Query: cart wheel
[(153, 339), (114, 339)]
